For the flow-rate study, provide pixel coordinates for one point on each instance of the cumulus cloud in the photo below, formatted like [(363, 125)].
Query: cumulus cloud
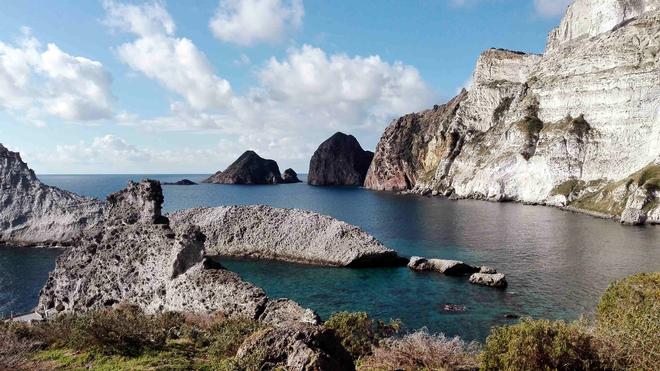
[(551, 8), (247, 22), (176, 63), (108, 148), (38, 81), (298, 101)]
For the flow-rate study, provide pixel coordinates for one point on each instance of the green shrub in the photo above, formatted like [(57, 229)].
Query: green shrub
[(225, 337), (542, 345), (422, 351), (629, 314), (358, 333), (123, 331)]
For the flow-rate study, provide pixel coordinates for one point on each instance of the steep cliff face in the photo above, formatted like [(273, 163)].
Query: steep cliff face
[(340, 160), (584, 114), (34, 213)]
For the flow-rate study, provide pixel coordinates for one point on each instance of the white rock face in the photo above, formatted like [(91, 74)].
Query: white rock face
[(32, 213), (263, 232), (588, 18), (559, 129)]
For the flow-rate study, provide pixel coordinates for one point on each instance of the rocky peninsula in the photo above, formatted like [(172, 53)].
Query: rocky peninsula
[(249, 168), (33, 213), (576, 127), (263, 232), (340, 160)]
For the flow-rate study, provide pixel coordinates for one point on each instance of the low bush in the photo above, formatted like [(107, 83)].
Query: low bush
[(629, 314), (358, 333), (15, 349), (422, 351), (542, 345)]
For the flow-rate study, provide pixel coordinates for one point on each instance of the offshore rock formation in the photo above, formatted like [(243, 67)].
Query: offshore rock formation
[(263, 232), (448, 267), (33, 213), (290, 176), (249, 168), (497, 280), (182, 182), (340, 160), (577, 127)]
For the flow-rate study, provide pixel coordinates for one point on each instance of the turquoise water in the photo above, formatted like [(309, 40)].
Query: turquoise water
[(557, 263)]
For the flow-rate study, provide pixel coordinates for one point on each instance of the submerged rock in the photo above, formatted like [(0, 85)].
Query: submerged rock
[(290, 176), (263, 232), (182, 182), (340, 160), (448, 267), (489, 279), (33, 213), (249, 168), (568, 128)]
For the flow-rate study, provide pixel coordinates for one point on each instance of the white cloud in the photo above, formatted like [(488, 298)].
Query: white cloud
[(551, 8), (299, 100), (36, 82), (247, 22), (174, 62), (105, 149)]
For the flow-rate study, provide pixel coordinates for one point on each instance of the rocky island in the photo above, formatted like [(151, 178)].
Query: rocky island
[(340, 160), (290, 176), (576, 127), (249, 168)]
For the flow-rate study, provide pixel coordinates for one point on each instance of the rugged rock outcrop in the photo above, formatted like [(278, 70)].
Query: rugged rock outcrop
[(568, 128), (497, 280), (32, 213), (340, 160), (448, 267), (290, 176), (297, 347), (135, 257), (182, 182), (249, 168), (263, 232)]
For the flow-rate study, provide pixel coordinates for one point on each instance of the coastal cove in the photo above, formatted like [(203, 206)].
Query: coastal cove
[(557, 263)]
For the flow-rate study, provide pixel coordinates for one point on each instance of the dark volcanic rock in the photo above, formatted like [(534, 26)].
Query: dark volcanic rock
[(250, 168), (184, 182), (340, 160), (290, 176), (33, 213)]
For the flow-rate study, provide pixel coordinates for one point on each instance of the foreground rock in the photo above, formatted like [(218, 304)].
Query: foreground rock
[(33, 213), (497, 280), (135, 257), (263, 232), (250, 168), (340, 160), (448, 267), (297, 347), (576, 127), (182, 182), (290, 176)]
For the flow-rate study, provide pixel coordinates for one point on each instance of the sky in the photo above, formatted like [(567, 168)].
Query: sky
[(157, 87)]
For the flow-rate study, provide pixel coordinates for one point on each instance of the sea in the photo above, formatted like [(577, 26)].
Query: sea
[(557, 263)]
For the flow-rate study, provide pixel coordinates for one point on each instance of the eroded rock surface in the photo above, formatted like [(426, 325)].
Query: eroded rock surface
[(568, 128), (448, 267), (249, 168), (497, 280), (32, 213), (293, 235), (340, 160), (297, 347)]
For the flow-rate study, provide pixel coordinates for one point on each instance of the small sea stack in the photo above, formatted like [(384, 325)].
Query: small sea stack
[(339, 161), (249, 168), (182, 182), (290, 176)]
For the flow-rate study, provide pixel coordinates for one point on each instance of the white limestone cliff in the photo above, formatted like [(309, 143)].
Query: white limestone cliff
[(565, 128)]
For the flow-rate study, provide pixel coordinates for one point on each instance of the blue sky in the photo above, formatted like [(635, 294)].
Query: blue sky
[(186, 87)]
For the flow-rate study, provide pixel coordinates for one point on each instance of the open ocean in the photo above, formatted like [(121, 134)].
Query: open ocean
[(557, 263)]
